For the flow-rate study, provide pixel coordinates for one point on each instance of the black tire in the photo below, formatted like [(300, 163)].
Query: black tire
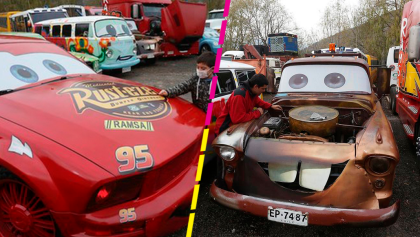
[(204, 48), (393, 99)]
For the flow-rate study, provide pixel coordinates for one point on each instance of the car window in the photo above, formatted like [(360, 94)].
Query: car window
[(225, 83), (66, 31), (46, 30), (111, 27), (396, 53), (20, 70), (56, 31), (325, 78), (81, 29), (242, 76)]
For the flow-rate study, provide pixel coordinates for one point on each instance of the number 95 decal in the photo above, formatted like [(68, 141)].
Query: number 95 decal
[(133, 159), (127, 215)]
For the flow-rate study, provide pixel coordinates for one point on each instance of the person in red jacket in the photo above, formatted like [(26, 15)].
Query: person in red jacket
[(240, 106)]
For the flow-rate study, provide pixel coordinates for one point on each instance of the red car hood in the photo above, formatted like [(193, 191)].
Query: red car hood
[(90, 115)]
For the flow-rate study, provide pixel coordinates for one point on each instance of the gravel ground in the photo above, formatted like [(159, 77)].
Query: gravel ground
[(166, 72), (212, 219)]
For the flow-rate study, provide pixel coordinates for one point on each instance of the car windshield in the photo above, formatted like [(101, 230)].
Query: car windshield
[(43, 16), (216, 15), (112, 27), (153, 9), (131, 25), (210, 33), (325, 78), (23, 69)]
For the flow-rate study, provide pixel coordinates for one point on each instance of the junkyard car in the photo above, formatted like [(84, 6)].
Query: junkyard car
[(329, 159), (84, 154), (210, 41), (148, 47)]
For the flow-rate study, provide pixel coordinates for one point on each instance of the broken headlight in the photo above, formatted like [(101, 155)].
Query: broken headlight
[(379, 164)]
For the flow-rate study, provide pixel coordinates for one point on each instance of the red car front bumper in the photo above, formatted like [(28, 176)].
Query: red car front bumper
[(325, 216), (160, 214)]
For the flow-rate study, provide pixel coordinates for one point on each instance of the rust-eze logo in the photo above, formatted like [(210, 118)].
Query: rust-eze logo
[(118, 99)]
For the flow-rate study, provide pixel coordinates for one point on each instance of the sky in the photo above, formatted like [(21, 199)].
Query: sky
[(307, 13)]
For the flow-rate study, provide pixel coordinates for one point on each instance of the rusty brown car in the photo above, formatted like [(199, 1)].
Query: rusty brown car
[(328, 159)]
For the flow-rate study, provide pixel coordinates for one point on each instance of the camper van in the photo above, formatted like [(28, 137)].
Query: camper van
[(105, 37), (24, 21)]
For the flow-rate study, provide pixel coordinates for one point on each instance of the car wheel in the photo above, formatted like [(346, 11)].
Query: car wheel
[(393, 99), (22, 213), (205, 48)]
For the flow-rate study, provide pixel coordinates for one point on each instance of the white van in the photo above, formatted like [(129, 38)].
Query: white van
[(234, 54), (215, 19), (25, 21), (392, 62)]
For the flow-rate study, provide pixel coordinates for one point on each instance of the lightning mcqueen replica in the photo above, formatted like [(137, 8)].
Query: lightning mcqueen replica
[(329, 159), (83, 154)]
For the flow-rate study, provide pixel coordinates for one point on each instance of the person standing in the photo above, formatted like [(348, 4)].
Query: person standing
[(198, 85)]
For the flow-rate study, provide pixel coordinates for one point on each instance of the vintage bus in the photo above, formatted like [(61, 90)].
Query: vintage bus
[(105, 37), (24, 21), (5, 24)]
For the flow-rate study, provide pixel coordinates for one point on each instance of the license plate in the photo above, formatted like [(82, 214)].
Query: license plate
[(150, 56), (126, 69), (287, 216)]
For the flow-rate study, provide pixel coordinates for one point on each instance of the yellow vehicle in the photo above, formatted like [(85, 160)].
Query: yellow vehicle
[(5, 24), (372, 61)]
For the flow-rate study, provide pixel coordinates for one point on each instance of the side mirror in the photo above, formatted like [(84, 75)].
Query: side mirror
[(414, 43), (135, 14), (383, 81)]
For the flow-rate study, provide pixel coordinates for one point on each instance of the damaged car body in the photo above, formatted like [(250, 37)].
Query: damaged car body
[(329, 158)]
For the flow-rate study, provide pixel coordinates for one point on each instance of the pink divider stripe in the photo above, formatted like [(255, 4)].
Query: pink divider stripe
[(227, 6), (213, 87), (209, 113), (222, 32), (218, 58)]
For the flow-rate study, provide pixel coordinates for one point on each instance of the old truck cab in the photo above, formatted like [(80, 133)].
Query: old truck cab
[(105, 37), (180, 24), (407, 98)]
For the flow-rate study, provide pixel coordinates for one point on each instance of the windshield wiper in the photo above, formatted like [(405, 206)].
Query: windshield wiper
[(120, 34), (7, 91)]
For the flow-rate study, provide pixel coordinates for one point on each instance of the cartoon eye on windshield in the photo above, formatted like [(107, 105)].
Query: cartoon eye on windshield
[(334, 80), (125, 29), (24, 74), (298, 81), (54, 67), (111, 30)]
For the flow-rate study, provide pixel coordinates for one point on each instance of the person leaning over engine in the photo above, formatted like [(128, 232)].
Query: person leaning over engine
[(240, 106), (198, 85)]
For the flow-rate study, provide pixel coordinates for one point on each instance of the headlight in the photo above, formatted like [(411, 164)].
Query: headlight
[(379, 164), (135, 50), (215, 43), (109, 53), (227, 153), (152, 46)]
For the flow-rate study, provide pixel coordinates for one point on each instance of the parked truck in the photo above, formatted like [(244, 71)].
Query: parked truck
[(180, 24), (407, 98)]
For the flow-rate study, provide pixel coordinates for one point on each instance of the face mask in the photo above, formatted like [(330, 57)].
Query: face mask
[(202, 73)]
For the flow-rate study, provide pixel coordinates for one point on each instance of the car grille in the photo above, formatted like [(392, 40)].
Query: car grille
[(336, 170)]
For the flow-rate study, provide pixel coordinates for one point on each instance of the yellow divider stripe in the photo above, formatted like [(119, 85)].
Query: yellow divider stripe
[(204, 141), (190, 225), (195, 197), (200, 168)]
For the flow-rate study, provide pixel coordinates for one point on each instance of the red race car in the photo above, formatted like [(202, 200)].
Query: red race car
[(83, 154)]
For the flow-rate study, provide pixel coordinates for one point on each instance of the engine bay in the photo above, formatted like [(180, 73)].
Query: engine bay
[(313, 123)]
